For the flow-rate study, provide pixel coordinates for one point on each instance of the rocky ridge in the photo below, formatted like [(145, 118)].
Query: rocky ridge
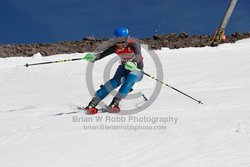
[(89, 44)]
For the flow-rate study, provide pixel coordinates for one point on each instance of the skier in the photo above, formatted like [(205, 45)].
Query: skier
[(127, 73)]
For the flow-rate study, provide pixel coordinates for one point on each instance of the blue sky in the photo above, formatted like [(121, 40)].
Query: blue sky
[(46, 21)]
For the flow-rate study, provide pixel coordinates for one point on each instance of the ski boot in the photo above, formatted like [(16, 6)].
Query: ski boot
[(91, 108), (114, 105)]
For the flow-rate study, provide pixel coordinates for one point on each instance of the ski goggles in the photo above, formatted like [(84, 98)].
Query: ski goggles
[(121, 40)]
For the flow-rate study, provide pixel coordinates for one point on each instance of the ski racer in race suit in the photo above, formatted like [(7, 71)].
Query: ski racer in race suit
[(127, 73)]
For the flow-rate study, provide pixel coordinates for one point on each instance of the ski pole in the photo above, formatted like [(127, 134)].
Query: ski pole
[(199, 101), (144, 97), (132, 67), (50, 62)]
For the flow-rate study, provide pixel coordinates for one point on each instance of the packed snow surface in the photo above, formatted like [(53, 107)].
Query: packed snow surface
[(40, 124)]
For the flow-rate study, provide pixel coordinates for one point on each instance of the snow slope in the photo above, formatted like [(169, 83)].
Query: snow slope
[(38, 125)]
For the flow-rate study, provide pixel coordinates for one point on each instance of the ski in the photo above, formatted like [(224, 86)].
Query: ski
[(105, 109), (99, 110)]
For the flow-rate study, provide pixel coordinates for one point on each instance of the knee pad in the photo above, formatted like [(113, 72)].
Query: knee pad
[(127, 85), (139, 75)]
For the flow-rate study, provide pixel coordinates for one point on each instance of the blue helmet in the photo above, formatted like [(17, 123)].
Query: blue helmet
[(121, 32)]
